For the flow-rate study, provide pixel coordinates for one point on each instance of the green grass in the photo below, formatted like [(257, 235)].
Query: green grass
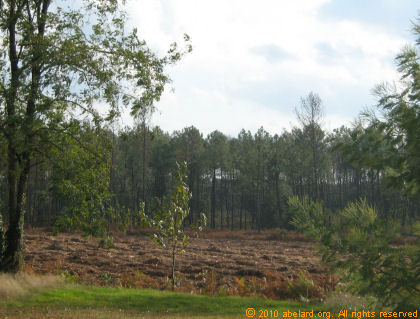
[(94, 302)]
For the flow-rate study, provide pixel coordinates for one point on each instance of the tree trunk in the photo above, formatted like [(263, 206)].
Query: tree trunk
[(240, 211), (12, 260), (213, 200), (232, 215), (278, 197), (221, 200), (173, 266), (143, 190)]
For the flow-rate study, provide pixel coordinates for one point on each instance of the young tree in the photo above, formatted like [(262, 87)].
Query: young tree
[(56, 61), (168, 218)]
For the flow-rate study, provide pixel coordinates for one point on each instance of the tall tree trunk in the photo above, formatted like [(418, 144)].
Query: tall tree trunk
[(143, 195), (278, 197), (245, 219), (19, 163), (232, 209), (240, 212), (13, 255), (221, 199), (197, 196), (213, 200), (192, 200), (227, 203)]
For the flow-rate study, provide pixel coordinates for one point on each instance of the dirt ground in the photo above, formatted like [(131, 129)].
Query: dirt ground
[(136, 261)]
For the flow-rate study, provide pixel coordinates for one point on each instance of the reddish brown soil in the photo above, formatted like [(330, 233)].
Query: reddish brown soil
[(136, 261)]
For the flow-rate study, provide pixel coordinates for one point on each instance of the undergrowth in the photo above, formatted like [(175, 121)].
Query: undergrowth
[(273, 285)]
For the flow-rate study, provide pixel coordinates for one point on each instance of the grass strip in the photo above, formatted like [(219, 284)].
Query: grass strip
[(99, 302)]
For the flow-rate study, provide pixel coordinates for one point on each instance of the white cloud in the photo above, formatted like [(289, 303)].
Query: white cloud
[(211, 110), (215, 85)]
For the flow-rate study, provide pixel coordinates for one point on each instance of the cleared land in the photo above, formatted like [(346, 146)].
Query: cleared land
[(216, 259)]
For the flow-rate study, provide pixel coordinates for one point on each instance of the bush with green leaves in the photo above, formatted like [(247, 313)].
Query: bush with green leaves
[(107, 242), (357, 244), (168, 215)]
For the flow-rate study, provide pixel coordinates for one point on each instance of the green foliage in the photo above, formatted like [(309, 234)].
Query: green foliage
[(357, 244), (71, 277), (168, 218), (80, 180), (107, 242), (303, 286), (390, 141), (106, 277), (57, 62), (416, 229)]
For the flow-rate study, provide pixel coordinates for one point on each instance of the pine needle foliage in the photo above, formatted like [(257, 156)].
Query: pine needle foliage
[(357, 244)]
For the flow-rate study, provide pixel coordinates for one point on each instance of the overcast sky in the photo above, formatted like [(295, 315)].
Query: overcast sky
[(252, 61)]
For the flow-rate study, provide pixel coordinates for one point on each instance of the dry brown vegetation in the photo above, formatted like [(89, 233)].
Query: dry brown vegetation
[(12, 286), (271, 264)]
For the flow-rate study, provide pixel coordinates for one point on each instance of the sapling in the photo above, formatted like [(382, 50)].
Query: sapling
[(167, 218)]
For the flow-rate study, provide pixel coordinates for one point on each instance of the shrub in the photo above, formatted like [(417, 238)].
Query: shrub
[(107, 242), (71, 277), (107, 278), (138, 280), (303, 286)]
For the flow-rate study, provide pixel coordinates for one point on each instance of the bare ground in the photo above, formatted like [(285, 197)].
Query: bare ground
[(136, 261)]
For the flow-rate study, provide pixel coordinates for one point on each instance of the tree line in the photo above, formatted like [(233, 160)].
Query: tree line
[(240, 182)]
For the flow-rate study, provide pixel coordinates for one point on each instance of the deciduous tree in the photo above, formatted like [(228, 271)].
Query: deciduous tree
[(56, 62)]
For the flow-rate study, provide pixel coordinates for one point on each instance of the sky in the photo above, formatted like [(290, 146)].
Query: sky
[(253, 61)]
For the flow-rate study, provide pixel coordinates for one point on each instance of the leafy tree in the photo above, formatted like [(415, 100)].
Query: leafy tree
[(80, 180), (56, 61), (168, 218)]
